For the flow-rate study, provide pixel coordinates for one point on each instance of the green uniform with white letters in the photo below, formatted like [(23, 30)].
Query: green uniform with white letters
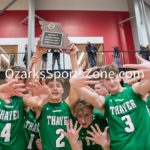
[(102, 123), (11, 124), (31, 130), (51, 122), (128, 120), (148, 104)]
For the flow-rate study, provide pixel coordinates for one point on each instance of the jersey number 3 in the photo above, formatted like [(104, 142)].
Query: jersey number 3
[(5, 133), (129, 123)]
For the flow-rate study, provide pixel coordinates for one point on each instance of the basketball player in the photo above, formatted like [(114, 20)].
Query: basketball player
[(12, 112), (52, 116), (87, 117), (125, 110)]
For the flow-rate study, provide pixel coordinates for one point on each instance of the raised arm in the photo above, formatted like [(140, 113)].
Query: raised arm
[(73, 57), (12, 88), (72, 135), (130, 80), (73, 95), (35, 75), (80, 84), (101, 138), (142, 87), (41, 94)]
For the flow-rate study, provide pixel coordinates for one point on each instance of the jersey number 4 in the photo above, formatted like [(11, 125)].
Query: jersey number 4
[(5, 133), (128, 122)]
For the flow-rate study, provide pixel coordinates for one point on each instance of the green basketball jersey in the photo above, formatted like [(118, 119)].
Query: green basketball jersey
[(11, 124), (126, 85), (31, 130), (52, 121), (128, 120), (148, 103), (102, 123)]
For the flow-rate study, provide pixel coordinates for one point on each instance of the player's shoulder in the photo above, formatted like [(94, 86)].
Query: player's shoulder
[(64, 103), (99, 118), (98, 114), (129, 92), (16, 98), (107, 98), (61, 104)]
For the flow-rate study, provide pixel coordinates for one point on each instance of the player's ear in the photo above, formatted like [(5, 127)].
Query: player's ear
[(63, 90)]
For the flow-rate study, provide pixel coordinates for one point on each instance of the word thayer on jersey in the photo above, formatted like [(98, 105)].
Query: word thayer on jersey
[(31, 126), (9, 115), (57, 120), (123, 108)]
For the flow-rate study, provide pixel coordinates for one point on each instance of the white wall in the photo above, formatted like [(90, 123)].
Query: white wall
[(109, 5), (138, 23), (17, 5), (133, 25), (147, 9), (106, 5)]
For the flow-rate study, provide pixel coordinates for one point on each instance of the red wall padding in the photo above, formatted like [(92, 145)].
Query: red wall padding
[(76, 24)]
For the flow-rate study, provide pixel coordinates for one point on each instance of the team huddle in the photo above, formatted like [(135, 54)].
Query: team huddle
[(112, 116)]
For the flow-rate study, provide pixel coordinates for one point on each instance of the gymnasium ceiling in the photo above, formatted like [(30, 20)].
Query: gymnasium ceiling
[(106, 5), (97, 5)]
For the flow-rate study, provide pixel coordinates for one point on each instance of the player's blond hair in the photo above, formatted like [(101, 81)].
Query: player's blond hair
[(60, 80), (80, 105), (109, 68)]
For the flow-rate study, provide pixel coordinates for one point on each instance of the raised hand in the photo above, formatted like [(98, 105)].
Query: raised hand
[(131, 77), (82, 67), (37, 88), (72, 134), (144, 66), (12, 88), (73, 50), (101, 138), (40, 90), (82, 79), (40, 50), (33, 60), (38, 144)]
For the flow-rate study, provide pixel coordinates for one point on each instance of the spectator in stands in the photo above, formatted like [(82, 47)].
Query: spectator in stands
[(116, 56), (12, 59), (55, 57), (44, 61), (25, 58), (148, 50), (144, 53), (92, 56)]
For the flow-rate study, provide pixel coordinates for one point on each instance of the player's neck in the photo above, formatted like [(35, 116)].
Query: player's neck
[(119, 90), (55, 100)]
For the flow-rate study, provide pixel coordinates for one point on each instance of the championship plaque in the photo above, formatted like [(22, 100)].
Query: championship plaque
[(53, 36)]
